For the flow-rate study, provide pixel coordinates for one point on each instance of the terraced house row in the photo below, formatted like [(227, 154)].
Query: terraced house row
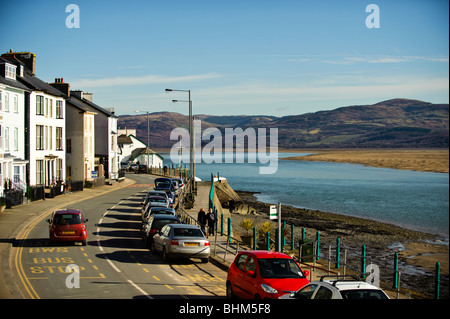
[(51, 137)]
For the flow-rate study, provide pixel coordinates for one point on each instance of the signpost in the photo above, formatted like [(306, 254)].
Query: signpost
[(275, 213)]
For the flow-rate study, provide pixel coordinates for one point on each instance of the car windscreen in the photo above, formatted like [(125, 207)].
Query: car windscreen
[(161, 212), (67, 219), (279, 268), (187, 232), (363, 294), (158, 200), (162, 184), (159, 223)]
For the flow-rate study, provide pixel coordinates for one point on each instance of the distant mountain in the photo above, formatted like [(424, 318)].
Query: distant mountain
[(397, 123)]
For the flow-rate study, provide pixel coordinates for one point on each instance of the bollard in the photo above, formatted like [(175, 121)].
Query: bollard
[(363, 261), (221, 224), (268, 240), (292, 237), (318, 245), (254, 238), (276, 239), (229, 227), (283, 237), (338, 251), (216, 216), (395, 279), (303, 234), (437, 280)]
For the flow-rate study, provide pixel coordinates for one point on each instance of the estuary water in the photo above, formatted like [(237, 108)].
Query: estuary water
[(414, 200)]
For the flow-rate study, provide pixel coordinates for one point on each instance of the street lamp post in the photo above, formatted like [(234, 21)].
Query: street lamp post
[(191, 136)]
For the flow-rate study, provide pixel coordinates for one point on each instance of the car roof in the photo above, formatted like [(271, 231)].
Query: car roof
[(184, 226), (163, 216), (156, 197), (266, 254), (68, 211), (162, 208), (352, 285)]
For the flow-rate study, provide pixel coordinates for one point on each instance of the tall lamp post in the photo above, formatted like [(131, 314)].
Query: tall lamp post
[(148, 136), (191, 136)]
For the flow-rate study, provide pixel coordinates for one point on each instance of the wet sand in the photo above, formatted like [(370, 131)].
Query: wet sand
[(418, 252), (424, 160)]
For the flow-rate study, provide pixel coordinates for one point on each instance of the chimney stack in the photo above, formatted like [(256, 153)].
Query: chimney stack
[(61, 86), (27, 58)]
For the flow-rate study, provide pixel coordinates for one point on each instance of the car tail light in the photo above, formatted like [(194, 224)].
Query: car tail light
[(206, 243), (174, 242), (152, 231)]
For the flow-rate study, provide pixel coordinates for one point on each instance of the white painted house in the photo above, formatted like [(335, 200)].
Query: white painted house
[(127, 144), (45, 137), (12, 128), (134, 150)]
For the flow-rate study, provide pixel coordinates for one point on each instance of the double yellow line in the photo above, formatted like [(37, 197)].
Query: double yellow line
[(18, 259)]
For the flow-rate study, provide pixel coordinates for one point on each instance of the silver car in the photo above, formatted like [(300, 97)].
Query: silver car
[(181, 240), (154, 193), (157, 210), (154, 201), (338, 289)]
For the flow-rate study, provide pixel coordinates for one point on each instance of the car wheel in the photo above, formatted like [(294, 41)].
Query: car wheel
[(83, 243), (165, 255), (205, 260), (230, 294), (153, 248)]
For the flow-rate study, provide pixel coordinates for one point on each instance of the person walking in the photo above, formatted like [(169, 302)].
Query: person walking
[(211, 220), (201, 219)]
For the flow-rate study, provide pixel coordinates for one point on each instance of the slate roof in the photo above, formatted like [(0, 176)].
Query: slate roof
[(98, 108), (36, 84), (12, 83), (123, 139), (142, 151), (77, 103)]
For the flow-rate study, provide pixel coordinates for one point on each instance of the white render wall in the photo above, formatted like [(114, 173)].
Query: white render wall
[(12, 147), (49, 154), (113, 148)]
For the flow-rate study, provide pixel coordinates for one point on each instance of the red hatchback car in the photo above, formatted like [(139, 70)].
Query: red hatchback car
[(264, 274), (68, 225)]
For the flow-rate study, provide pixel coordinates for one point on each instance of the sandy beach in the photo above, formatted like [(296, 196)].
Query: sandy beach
[(425, 160)]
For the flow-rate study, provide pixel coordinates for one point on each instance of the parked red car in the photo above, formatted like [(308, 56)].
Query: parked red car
[(264, 274), (68, 225)]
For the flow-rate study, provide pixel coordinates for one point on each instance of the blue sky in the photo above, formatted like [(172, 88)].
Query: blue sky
[(237, 57)]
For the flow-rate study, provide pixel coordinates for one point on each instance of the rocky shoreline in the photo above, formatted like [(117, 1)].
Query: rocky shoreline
[(382, 241)]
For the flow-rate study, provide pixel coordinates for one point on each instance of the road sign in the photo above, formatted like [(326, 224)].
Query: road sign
[(273, 213)]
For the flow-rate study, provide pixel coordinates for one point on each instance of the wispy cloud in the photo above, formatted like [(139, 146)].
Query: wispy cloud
[(141, 80), (368, 59)]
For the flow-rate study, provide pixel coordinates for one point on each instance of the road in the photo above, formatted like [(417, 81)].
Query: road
[(114, 263)]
